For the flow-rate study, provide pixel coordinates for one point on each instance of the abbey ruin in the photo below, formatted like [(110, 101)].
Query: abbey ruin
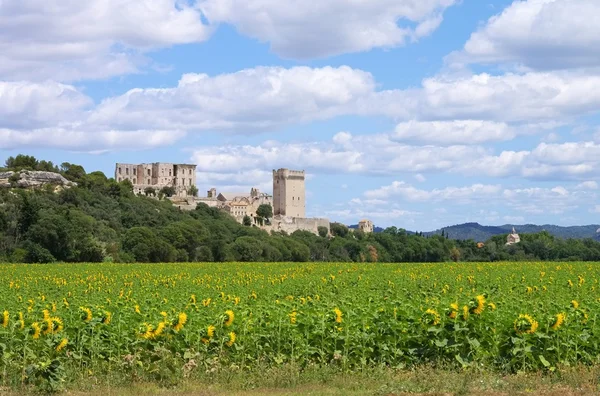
[(288, 200), (157, 175)]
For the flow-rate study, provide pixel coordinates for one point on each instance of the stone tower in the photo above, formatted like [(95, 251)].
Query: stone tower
[(289, 193)]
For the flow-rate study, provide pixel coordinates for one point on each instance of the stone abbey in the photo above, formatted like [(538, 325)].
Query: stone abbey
[(288, 200)]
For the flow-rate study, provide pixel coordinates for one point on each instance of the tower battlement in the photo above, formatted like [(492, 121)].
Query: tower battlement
[(289, 193)]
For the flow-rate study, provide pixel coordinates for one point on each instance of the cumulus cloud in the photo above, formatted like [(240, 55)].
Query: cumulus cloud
[(509, 98), (73, 40), (251, 99), (305, 30), (453, 132), (531, 200), (400, 189), (380, 154), (32, 105), (538, 34), (345, 153), (90, 141)]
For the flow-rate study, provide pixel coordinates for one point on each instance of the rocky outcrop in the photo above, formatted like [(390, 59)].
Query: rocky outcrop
[(33, 179)]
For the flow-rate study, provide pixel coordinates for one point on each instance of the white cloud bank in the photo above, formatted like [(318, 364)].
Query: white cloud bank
[(305, 30), (538, 34), (72, 40)]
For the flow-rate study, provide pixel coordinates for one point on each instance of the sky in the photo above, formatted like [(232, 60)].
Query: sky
[(417, 114)]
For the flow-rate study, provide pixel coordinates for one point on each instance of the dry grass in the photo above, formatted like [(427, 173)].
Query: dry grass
[(376, 382)]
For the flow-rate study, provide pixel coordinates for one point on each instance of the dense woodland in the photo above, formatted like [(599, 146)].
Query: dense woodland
[(101, 220)]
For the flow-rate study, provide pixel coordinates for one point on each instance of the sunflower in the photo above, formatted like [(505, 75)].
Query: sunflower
[(338, 315), (5, 318), (465, 314), (230, 317), (478, 310), (293, 317), (525, 324), (21, 321), (210, 331), (159, 329), (558, 321), (149, 333), (107, 318), (431, 317), (57, 324), (181, 320), (49, 326), (63, 343), (36, 330), (88, 314), (453, 311), (137, 310), (231, 339), (46, 314), (574, 304)]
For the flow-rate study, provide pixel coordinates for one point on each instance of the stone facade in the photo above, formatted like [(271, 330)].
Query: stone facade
[(513, 237), (366, 226), (289, 194), (240, 205), (158, 175), (291, 224)]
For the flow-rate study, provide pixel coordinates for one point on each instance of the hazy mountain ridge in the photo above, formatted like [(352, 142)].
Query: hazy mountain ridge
[(480, 232)]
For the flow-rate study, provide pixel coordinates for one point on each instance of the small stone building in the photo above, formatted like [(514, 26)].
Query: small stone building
[(513, 238), (366, 226)]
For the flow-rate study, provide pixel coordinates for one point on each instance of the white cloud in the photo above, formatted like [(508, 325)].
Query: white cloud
[(399, 189), (251, 99), (304, 30), (508, 98), (453, 132), (531, 200), (31, 105), (366, 154), (72, 40), (588, 185), (538, 34), (595, 209), (89, 141), (514, 219), (420, 178)]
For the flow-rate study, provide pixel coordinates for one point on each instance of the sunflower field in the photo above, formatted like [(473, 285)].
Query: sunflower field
[(164, 321)]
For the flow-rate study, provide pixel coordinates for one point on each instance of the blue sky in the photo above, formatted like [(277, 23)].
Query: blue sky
[(413, 113)]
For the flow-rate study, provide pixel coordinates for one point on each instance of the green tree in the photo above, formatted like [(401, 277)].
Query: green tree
[(72, 172), (265, 211), (247, 221), (22, 162), (168, 191), (193, 191), (323, 231)]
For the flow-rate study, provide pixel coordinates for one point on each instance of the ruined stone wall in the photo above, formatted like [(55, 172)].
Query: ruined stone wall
[(291, 224)]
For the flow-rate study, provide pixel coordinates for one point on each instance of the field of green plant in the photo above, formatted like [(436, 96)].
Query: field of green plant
[(168, 322)]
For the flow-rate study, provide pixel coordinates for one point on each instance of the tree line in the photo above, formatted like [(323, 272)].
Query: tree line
[(102, 220)]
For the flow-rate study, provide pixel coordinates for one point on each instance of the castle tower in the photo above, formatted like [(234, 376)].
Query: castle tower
[(289, 193)]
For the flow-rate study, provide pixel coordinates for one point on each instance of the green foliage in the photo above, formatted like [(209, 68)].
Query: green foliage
[(265, 211), (322, 231), (168, 191), (247, 221), (161, 323), (102, 220), (193, 191)]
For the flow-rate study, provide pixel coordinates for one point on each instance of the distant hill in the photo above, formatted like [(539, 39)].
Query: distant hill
[(480, 232)]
